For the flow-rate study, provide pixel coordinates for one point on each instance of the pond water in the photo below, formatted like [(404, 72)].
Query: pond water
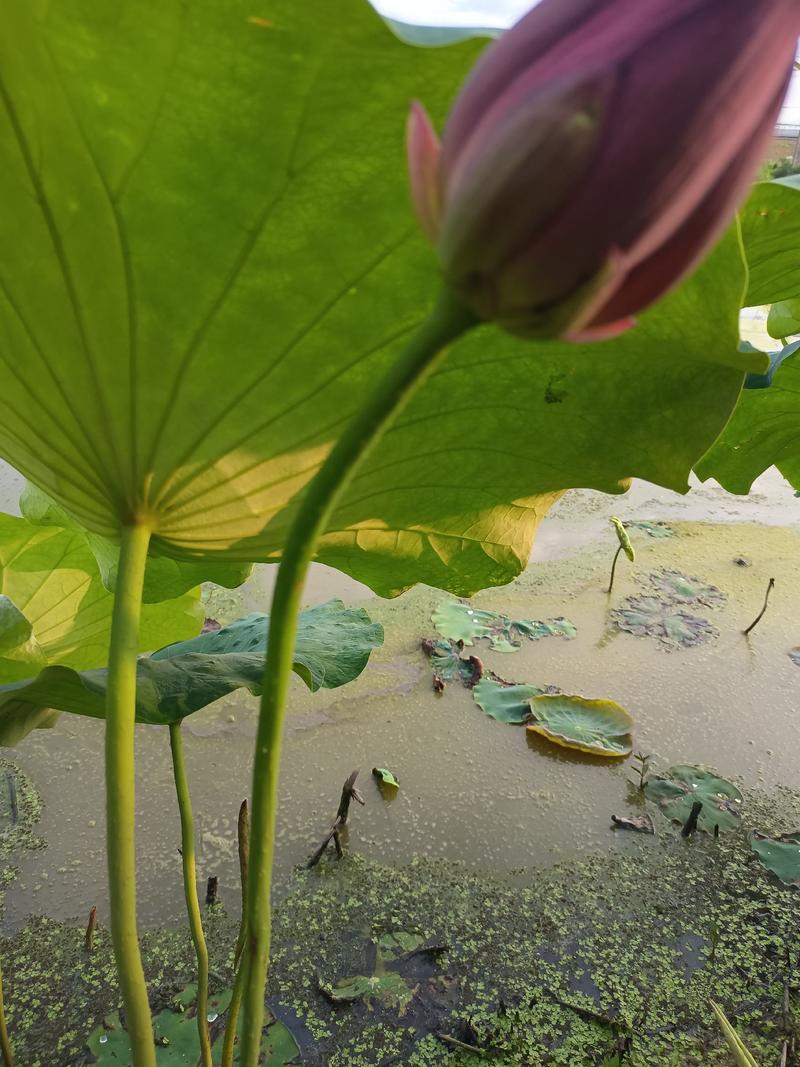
[(471, 789)]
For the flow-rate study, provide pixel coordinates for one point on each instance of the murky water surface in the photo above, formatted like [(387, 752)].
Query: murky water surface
[(471, 789)]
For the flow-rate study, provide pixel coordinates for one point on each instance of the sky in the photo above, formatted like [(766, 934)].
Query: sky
[(500, 13)]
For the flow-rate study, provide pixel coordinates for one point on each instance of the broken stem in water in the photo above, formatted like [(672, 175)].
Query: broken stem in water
[(760, 616), (190, 888), (120, 791), (404, 374)]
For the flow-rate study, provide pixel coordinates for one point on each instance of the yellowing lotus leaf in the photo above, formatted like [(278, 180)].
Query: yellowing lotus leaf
[(599, 727)]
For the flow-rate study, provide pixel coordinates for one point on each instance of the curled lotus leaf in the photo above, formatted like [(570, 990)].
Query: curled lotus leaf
[(677, 791), (461, 622), (649, 616), (385, 777), (600, 727), (622, 537), (679, 588), (780, 854), (506, 701)]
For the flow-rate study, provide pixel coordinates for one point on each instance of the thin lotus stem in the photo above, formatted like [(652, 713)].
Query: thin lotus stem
[(760, 616), (243, 828), (236, 997), (5, 1043), (447, 321), (120, 792), (190, 889), (232, 1020), (614, 568)]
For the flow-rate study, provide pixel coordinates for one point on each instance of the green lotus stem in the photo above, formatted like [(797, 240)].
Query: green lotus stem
[(236, 997), (232, 1020), (447, 321), (243, 835), (120, 791), (190, 889), (5, 1043), (614, 568)]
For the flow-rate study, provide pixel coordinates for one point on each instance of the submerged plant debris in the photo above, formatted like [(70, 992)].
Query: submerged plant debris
[(599, 727), (652, 529), (649, 616), (680, 788), (458, 621), (678, 588), (449, 665)]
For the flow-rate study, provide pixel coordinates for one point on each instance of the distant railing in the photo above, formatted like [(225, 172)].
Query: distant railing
[(787, 130)]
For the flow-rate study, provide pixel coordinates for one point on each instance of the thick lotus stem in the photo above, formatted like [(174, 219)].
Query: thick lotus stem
[(120, 792), (448, 320)]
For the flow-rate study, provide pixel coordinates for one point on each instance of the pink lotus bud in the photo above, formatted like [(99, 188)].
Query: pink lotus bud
[(596, 152)]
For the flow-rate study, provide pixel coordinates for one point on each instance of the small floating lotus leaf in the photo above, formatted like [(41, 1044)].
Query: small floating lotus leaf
[(398, 943), (385, 777), (391, 990), (504, 701), (459, 622), (683, 589), (624, 540), (177, 1042), (652, 529), (677, 790), (600, 727), (648, 616), (781, 855)]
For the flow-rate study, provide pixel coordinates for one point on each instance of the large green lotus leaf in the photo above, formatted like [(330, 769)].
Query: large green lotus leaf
[(51, 579), (770, 221), (600, 727), (677, 791), (781, 855), (784, 319), (332, 647), (164, 578), (206, 258), (763, 432)]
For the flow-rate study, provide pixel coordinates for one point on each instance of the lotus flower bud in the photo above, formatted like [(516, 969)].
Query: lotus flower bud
[(596, 152)]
